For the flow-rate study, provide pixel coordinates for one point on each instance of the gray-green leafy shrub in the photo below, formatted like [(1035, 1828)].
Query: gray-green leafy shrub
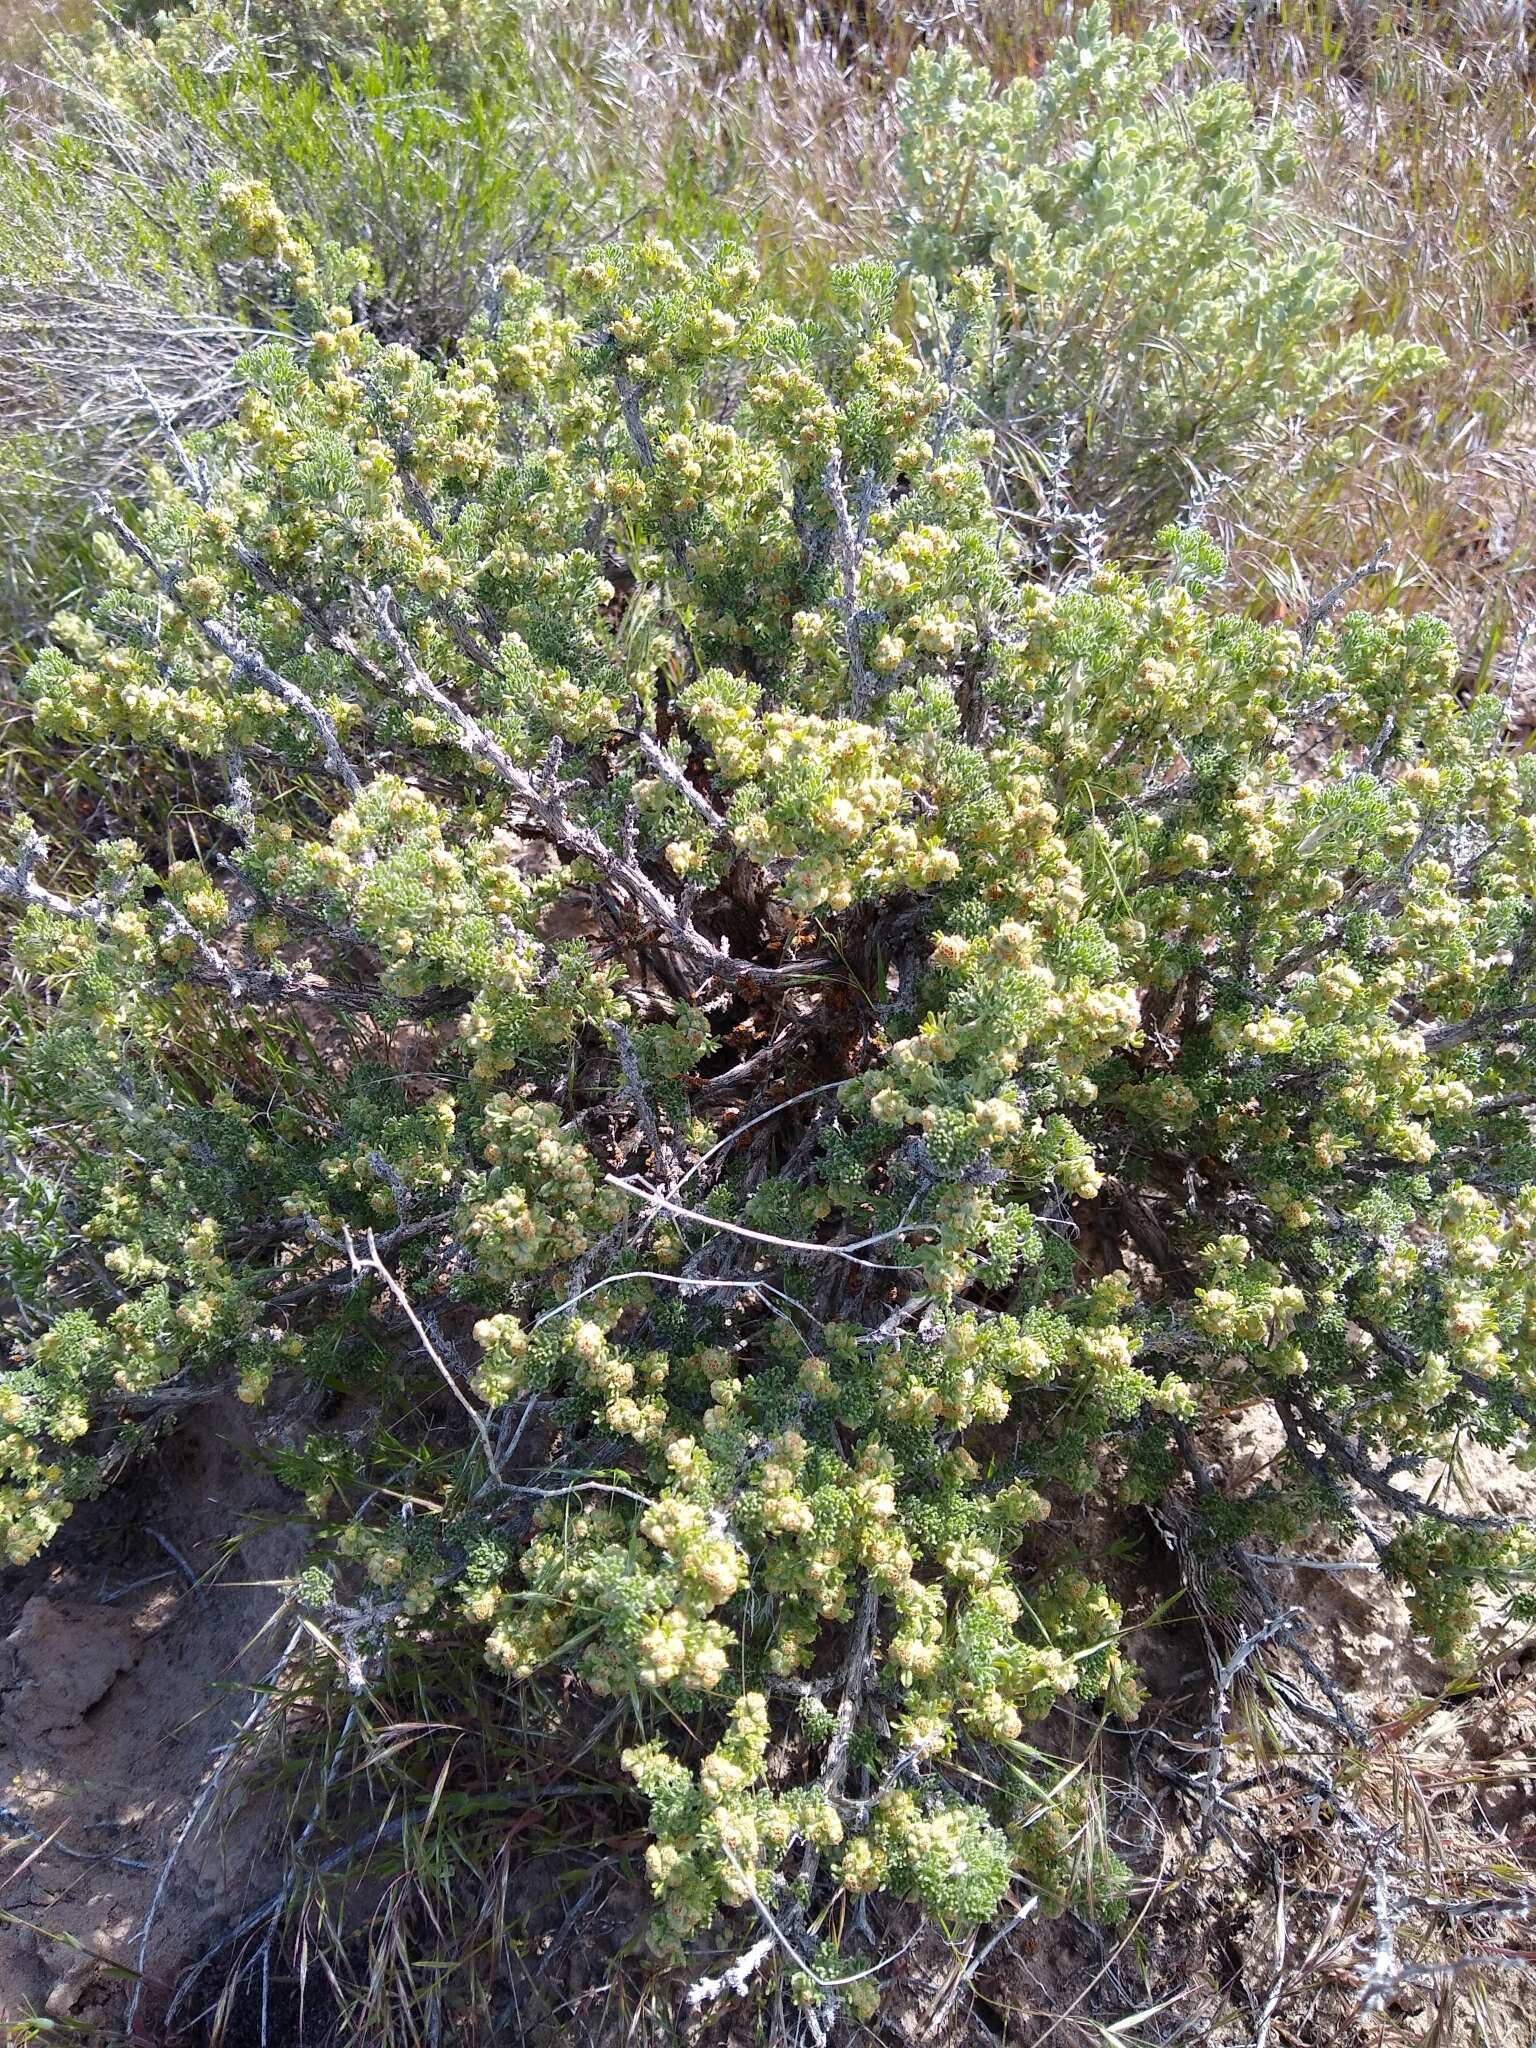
[(696, 942), (117, 320), (442, 186), (1161, 307)]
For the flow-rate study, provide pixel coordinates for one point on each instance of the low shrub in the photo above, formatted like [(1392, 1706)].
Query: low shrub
[(1163, 308), (444, 142), (762, 1048)]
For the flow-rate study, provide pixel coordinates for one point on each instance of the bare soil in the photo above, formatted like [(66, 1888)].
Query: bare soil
[(128, 1653)]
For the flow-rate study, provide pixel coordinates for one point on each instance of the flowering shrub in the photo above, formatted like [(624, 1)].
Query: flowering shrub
[(1161, 308), (439, 153), (780, 1045)]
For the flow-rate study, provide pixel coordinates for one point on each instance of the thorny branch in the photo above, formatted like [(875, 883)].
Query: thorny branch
[(374, 1263), (545, 807), (244, 659)]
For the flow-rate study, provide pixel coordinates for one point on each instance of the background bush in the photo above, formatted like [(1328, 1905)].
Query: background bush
[(1163, 310)]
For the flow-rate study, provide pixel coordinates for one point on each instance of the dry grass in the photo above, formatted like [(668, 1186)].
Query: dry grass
[(1418, 147)]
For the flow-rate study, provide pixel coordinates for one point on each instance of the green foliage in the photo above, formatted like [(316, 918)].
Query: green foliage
[(693, 936), (1448, 1573), (1161, 307), (441, 186), (120, 312)]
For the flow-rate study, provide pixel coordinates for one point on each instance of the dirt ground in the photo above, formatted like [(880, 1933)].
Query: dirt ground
[(127, 1657)]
